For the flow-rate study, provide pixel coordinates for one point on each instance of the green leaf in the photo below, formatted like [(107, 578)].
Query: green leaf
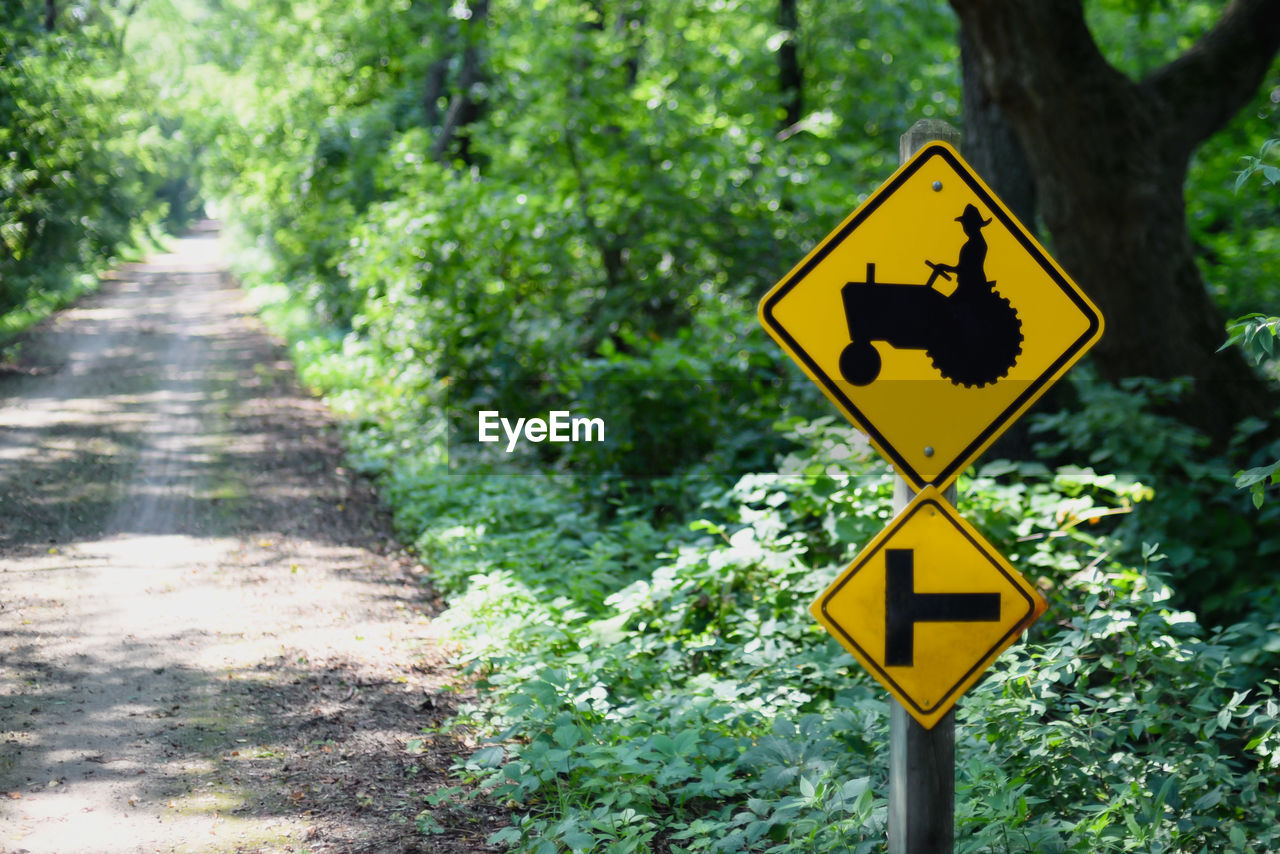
[(1241, 178), (686, 741), (850, 530), (567, 735), (505, 836), (578, 840), (489, 757), (1249, 477)]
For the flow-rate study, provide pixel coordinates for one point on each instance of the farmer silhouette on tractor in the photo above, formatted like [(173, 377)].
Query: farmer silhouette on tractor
[(972, 337), (971, 278)]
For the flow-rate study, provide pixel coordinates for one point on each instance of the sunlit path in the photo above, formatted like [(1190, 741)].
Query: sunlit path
[(206, 643)]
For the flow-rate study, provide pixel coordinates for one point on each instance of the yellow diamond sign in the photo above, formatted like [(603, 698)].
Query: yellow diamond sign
[(931, 317), (927, 606)]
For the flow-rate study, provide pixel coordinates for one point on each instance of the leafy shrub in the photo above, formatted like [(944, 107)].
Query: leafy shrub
[(699, 705), (1219, 545)]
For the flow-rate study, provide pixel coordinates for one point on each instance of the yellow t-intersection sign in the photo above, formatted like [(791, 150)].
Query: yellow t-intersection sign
[(927, 606)]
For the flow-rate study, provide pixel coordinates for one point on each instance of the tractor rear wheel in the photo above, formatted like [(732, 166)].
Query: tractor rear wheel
[(860, 363)]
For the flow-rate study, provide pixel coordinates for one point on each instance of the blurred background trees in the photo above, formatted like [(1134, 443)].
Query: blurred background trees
[(514, 205), (510, 205), (91, 156)]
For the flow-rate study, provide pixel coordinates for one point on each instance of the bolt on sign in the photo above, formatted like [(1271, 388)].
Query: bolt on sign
[(931, 317), (927, 606)]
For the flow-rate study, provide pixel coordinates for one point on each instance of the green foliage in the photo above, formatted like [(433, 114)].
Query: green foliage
[(1133, 733), (1256, 480), (689, 702), (81, 161), (1256, 335), (699, 705), (615, 217), (1138, 36), (594, 239), (1219, 546), (1259, 166)]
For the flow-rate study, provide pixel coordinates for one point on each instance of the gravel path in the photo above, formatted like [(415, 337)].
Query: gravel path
[(208, 639)]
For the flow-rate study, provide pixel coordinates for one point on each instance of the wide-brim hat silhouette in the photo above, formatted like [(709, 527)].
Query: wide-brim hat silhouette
[(971, 217)]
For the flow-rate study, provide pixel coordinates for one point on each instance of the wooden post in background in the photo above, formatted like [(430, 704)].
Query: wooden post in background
[(922, 762)]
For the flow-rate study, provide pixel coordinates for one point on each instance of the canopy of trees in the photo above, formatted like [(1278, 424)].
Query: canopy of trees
[(88, 153), (498, 204)]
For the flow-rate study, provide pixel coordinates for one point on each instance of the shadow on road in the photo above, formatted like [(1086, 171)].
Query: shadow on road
[(208, 639)]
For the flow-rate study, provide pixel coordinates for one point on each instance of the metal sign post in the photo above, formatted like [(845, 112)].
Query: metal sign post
[(922, 762)]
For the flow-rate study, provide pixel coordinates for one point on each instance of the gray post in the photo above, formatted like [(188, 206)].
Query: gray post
[(922, 762), (925, 131)]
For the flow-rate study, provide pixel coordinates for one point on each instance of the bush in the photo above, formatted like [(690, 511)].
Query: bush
[(697, 704)]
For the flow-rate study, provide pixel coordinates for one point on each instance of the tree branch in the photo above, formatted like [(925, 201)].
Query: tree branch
[(128, 13), (1202, 89), (610, 255)]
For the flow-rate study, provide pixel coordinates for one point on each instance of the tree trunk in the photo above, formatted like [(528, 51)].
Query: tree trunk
[(464, 107), (989, 143), (631, 26), (437, 76), (50, 15), (790, 76), (1110, 158), (992, 148)]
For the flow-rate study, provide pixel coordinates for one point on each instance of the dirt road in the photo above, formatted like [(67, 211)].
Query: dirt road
[(208, 641)]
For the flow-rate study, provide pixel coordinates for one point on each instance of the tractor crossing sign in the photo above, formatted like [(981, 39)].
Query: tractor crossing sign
[(931, 317)]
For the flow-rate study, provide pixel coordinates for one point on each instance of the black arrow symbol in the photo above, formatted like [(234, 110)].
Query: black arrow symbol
[(904, 607)]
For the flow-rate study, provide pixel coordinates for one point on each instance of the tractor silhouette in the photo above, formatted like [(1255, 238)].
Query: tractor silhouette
[(972, 337)]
